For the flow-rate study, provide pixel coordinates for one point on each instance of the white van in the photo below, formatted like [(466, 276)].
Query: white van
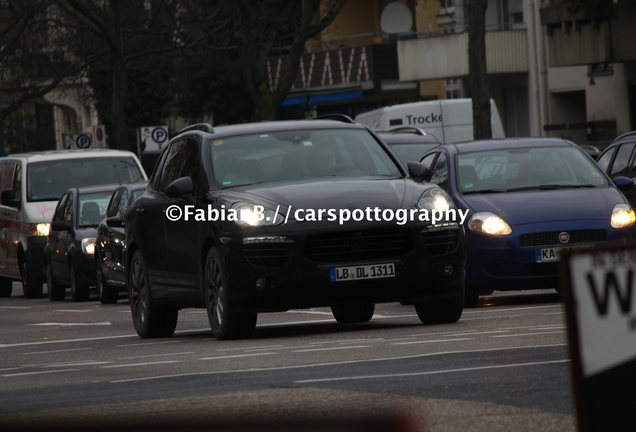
[(450, 120), (31, 185)]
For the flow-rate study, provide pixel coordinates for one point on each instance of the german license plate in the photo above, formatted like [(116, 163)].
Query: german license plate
[(339, 274), (552, 254)]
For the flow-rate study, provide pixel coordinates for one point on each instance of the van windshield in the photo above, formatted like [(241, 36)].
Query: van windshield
[(48, 180)]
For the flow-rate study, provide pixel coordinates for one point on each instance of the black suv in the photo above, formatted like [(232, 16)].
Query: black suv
[(272, 216)]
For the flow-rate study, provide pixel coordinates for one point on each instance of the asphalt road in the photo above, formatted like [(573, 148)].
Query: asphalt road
[(503, 366)]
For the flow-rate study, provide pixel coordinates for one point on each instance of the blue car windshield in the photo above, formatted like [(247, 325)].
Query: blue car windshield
[(509, 170), (300, 155)]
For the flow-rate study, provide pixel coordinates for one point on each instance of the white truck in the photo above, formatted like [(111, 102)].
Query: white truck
[(450, 120)]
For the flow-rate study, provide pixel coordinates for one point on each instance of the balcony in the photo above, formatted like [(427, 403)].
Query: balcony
[(600, 32), (434, 55)]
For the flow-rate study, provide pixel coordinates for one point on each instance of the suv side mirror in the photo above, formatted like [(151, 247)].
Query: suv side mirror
[(7, 197), (624, 184), (115, 222), (180, 188), (419, 171)]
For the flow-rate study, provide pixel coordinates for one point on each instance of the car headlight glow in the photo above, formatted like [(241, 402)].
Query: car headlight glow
[(253, 215), (41, 229), (88, 246), (622, 216), (435, 199), (489, 223)]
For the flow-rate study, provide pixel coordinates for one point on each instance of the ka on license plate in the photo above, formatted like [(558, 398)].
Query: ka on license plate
[(338, 274), (552, 254)]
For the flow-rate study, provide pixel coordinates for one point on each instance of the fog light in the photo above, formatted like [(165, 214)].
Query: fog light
[(261, 283), (448, 269)]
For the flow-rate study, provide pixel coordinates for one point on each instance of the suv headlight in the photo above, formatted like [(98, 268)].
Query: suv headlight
[(489, 223), (88, 245), (622, 216), (253, 215), (435, 199)]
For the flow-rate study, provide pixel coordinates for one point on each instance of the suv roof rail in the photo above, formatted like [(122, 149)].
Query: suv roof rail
[(415, 130), (335, 116), (205, 127)]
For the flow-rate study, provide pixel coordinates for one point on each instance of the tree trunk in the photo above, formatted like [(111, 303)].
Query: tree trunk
[(118, 104), (482, 128)]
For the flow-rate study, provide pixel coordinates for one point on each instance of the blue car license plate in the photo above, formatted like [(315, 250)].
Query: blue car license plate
[(338, 274), (552, 254)]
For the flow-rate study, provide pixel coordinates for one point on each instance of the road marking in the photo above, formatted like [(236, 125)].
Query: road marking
[(15, 307), (38, 373), (335, 363), (431, 341), (476, 368), (154, 355), (105, 323), (477, 333), (65, 341), (56, 351), (147, 343), (81, 363), (140, 364), (235, 356), (73, 310), (249, 348), (332, 348), (529, 334), (511, 309)]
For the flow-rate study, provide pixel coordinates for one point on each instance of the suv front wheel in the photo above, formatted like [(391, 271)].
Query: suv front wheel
[(150, 320), (225, 321)]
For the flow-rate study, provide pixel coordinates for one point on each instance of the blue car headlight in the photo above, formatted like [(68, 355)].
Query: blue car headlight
[(622, 216), (489, 223)]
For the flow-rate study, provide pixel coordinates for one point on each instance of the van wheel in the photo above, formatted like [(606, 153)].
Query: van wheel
[(6, 287), (31, 287), (107, 294), (225, 321), (79, 291), (57, 292), (150, 319), (471, 296), (349, 313)]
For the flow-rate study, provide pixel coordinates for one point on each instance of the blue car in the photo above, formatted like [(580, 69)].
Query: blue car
[(528, 199)]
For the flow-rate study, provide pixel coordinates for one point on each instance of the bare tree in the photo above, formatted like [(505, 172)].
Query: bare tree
[(33, 56), (482, 128), (258, 27)]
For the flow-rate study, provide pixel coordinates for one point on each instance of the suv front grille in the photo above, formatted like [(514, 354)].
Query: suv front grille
[(552, 237), (268, 251), (441, 240), (358, 245)]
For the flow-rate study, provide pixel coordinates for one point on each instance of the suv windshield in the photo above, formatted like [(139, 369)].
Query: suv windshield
[(47, 181), (300, 155)]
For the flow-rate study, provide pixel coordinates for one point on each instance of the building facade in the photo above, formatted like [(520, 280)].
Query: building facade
[(541, 71)]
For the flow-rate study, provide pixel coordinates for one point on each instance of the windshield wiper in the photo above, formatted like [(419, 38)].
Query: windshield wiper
[(485, 191), (549, 187)]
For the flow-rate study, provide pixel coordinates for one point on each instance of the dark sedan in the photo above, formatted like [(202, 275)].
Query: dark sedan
[(409, 143), (528, 200), (273, 216), (111, 243), (69, 251)]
